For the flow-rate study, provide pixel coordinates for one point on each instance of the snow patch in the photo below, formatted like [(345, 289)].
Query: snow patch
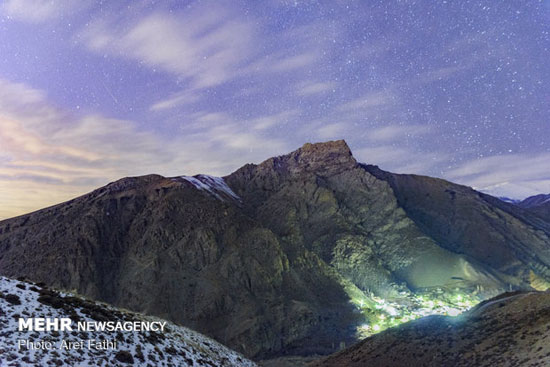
[(216, 186)]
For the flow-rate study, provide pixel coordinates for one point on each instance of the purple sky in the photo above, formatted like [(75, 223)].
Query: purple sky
[(92, 91)]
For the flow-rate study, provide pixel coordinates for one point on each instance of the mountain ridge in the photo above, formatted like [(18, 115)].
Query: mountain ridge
[(277, 257)]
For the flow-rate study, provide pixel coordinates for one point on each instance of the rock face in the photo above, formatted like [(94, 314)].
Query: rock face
[(267, 259), (511, 330)]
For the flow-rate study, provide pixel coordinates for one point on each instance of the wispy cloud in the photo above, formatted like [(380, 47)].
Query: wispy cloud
[(400, 159), (369, 100), (331, 131), (49, 155), (38, 11), (294, 62), (278, 119), (175, 100), (307, 88), (207, 47), (514, 175)]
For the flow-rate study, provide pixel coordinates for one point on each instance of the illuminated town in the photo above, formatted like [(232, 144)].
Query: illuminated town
[(381, 314)]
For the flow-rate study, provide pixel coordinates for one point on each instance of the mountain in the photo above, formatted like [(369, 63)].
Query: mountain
[(535, 201), (538, 205), (175, 346), (294, 255), (510, 330), (483, 228)]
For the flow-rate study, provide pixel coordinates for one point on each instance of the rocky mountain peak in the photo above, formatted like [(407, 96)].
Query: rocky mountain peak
[(321, 157), (337, 150), (334, 146)]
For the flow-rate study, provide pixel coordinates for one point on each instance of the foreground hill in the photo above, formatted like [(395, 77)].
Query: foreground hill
[(510, 330), (176, 346), (296, 255)]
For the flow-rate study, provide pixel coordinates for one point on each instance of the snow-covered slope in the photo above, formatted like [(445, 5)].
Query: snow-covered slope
[(509, 200), (175, 346), (216, 186)]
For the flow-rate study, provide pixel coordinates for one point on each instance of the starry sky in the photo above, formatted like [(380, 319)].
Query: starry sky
[(91, 91)]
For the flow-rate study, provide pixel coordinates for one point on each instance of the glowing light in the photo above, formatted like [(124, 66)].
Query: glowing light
[(381, 314), (391, 310), (453, 312)]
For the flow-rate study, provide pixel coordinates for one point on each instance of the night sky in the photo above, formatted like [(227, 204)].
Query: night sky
[(91, 91)]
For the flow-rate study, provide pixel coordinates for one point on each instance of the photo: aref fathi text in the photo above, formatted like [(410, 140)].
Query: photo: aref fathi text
[(45, 324), (97, 344)]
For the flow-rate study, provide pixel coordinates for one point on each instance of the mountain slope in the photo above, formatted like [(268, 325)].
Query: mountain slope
[(538, 205), (176, 345), (534, 201), (511, 330), (320, 198), (483, 228), (279, 257), (172, 248)]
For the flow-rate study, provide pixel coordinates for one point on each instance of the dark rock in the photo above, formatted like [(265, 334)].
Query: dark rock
[(12, 298), (124, 357)]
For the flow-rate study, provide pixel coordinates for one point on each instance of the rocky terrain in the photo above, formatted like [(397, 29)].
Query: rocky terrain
[(294, 255), (510, 330), (175, 346)]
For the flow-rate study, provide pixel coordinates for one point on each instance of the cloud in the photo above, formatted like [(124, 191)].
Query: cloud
[(175, 100), (293, 62), (437, 74), (369, 100), (309, 88), (38, 11), (207, 48), (513, 175), (331, 131), (278, 119), (400, 159), (17, 139), (49, 155)]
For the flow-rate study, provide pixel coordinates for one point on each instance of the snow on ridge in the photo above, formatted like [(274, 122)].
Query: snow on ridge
[(175, 346), (509, 200), (212, 184)]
